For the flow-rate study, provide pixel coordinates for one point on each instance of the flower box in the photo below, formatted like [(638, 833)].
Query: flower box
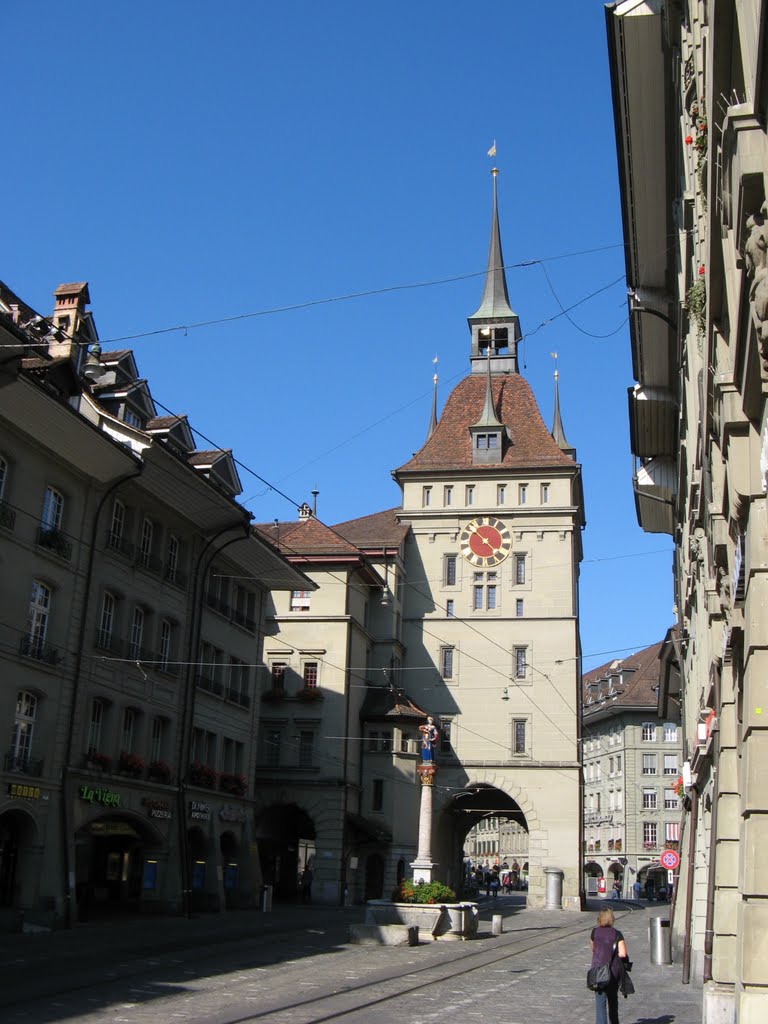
[(234, 784), (202, 775), (97, 761), (309, 693), (274, 696), (160, 771), (130, 764)]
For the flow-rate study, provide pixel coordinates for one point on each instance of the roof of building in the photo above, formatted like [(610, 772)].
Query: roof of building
[(626, 682), (450, 445), (306, 537), (390, 702), (380, 530)]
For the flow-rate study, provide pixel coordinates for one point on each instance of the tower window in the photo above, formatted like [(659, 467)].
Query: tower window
[(484, 591), (426, 497), (519, 569), (449, 608), (522, 494), (449, 571), (501, 493), (446, 662), (545, 494), (469, 494), (521, 662), (447, 495), (519, 607)]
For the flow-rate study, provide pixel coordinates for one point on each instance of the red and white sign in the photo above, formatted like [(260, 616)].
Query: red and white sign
[(670, 859)]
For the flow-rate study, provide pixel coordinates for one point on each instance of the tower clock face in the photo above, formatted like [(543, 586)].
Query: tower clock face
[(485, 541)]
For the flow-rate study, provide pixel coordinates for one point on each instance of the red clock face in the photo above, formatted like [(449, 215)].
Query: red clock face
[(485, 541)]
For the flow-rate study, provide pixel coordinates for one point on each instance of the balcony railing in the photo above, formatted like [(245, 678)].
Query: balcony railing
[(23, 765), (174, 575), (146, 560), (116, 542), (213, 686), (55, 541), (7, 515), (107, 641), (32, 646)]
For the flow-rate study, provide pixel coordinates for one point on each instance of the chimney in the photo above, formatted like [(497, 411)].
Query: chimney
[(68, 314)]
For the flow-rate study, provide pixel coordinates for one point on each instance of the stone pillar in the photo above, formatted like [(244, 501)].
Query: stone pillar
[(423, 866)]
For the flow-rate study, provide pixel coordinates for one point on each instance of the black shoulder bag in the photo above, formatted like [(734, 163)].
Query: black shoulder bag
[(599, 977)]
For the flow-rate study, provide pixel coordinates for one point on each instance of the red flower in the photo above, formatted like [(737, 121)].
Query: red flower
[(688, 140), (702, 271)]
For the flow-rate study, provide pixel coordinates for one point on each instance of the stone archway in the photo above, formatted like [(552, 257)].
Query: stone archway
[(110, 856), (478, 800), (18, 833), (281, 830)]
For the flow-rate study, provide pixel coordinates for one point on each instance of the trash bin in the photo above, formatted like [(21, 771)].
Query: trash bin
[(266, 898), (660, 940)]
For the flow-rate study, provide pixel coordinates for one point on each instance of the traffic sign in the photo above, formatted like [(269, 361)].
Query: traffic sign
[(670, 859)]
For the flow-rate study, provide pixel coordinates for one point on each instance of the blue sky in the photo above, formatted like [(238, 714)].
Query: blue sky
[(195, 162)]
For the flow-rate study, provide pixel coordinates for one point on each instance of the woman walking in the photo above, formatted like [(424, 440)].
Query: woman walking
[(608, 947)]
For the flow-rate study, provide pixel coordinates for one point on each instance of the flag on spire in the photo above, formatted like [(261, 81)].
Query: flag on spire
[(492, 150)]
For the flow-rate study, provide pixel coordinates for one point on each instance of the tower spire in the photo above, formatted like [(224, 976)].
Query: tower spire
[(558, 433), (433, 417), (495, 326)]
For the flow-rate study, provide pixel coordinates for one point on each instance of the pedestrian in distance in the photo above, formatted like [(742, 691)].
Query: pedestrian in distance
[(616, 890), (306, 885), (608, 947), (637, 889)]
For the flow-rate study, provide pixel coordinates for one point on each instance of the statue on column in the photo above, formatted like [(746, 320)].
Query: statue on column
[(429, 734), (756, 259)]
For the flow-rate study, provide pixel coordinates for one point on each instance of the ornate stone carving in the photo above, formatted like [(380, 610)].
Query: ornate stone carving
[(756, 259)]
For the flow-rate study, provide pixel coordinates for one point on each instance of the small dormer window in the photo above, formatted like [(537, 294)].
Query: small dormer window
[(487, 441), (131, 418)]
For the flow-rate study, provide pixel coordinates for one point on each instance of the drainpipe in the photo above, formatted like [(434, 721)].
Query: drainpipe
[(709, 933), (693, 822), (65, 816), (345, 758), (188, 709)]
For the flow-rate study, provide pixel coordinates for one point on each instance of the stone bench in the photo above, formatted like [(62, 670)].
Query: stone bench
[(384, 934)]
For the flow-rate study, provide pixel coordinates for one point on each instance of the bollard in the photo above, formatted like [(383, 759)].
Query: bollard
[(497, 924), (660, 940), (266, 898), (554, 888)]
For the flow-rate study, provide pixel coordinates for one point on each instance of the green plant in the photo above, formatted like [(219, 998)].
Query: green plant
[(696, 304), (424, 892)]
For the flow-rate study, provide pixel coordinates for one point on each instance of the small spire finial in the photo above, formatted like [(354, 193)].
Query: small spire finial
[(433, 417), (558, 433)]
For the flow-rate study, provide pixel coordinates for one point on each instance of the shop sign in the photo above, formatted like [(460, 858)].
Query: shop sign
[(230, 813), (24, 792), (198, 811), (158, 808), (99, 795)]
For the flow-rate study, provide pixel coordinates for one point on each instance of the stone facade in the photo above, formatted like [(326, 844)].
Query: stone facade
[(691, 99), (134, 605)]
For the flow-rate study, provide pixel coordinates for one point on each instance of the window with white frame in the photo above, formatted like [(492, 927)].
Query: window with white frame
[(649, 764), (166, 643), (449, 612), (277, 669), (519, 569), (172, 558), (53, 509), (272, 744), (107, 621), (306, 748), (447, 495), (610, 766), (310, 674), (426, 496), (128, 731), (519, 736), (522, 494), (619, 800), (469, 494), (157, 740), (650, 834), (117, 524), (237, 683), (37, 618), (146, 542), (95, 724), (598, 771), (670, 764), (649, 732), (449, 570), (484, 591), (649, 800), (501, 494), (23, 730), (618, 763), (137, 634), (446, 728), (447, 662), (300, 600), (520, 657), (545, 494), (611, 801), (670, 732), (671, 800)]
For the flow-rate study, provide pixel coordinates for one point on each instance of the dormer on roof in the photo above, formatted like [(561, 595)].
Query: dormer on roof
[(495, 327), (218, 466), (130, 402), (121, 362), (173, 431), (489, 433)]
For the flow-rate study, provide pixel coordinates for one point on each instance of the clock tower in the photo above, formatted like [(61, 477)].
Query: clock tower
[(490, 622)]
